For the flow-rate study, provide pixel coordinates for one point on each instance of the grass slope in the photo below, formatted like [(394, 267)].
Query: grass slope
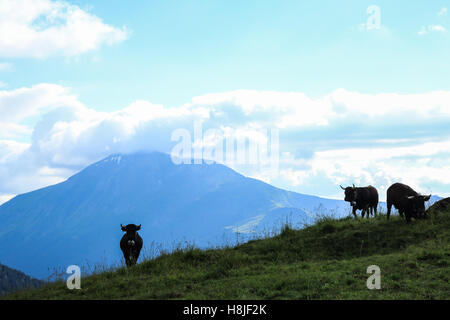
[(328, 260)]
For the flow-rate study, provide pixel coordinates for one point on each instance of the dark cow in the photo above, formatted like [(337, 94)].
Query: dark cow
[(131, 243), (365, 199), (408, 202)]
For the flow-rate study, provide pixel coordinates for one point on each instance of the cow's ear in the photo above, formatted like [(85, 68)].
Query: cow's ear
[(123, 228), (427, 198), (139, 227)]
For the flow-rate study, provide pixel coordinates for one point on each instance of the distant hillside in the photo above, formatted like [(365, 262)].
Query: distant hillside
[(78, 221), (328, 260), (12, 280)]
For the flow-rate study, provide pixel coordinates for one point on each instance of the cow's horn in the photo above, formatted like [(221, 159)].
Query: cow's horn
[(342, 187), (354, 186)]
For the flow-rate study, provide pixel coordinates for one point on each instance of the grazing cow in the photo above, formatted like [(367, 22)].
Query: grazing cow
[(408, 202), (365, 199), (131, 243)]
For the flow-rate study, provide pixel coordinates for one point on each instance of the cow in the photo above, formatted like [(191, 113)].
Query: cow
[(408, 202), (131, 243), (365, 199)]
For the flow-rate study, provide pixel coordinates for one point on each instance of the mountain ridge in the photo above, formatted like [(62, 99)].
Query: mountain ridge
[(12, 280), (78, 221)]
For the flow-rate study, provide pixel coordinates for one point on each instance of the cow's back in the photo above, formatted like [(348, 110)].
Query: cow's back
[(397, 193), (369, 195), (373, 196)]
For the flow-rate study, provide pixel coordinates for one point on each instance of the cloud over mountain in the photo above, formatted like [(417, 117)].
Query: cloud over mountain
[(342, 137)]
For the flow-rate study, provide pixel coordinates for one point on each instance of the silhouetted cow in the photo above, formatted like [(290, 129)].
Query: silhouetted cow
[(408, 202), (131, 243), (365, 199)]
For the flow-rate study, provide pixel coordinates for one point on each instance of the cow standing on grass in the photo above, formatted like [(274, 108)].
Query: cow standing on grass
[(365, 199), (408, 202), (131, 244)]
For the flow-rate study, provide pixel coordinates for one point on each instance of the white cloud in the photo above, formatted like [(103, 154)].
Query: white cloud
[(42, 28), (423, 31), (437, 28), (18, 104), (385, 165), (5, 198), (342, 137), (13, 130), (442, 12), (431, 28)]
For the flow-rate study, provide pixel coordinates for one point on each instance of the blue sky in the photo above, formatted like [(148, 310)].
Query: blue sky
[(180, 49), (83, 68)]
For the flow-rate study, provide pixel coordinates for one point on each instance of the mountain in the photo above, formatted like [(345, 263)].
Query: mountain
[(78, 221), (12, 280)]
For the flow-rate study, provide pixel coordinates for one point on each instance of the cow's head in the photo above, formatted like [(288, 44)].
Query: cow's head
[(351, 194), (417, 205), (131, 231)]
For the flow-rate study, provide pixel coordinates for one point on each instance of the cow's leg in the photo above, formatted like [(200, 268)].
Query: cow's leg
[(389, 207), (136, 254), (129, 257), (408, 217), (354, 212), (134, 257), (125, 257), (375, 209), (365, 212)]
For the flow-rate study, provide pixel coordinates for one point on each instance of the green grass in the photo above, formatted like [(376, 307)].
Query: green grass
[(328, 260)]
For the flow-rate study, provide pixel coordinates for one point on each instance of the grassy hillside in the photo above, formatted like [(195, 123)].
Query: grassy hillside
[(325, 261)]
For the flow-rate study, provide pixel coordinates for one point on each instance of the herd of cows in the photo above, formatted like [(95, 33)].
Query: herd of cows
[(408, 202)]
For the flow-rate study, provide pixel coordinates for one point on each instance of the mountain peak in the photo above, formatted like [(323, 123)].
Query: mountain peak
[(78, 220)]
